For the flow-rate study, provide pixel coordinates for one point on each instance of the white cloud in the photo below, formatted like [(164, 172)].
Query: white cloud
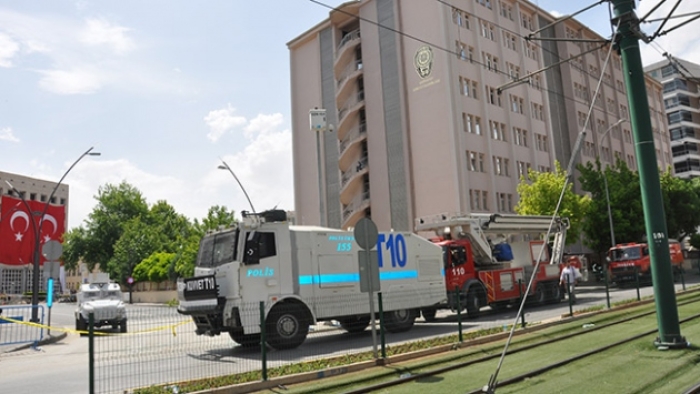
[(99, 32), (263, 124), (8, 49), (70, 81), (221, 121), (556, 14), (7, 135)]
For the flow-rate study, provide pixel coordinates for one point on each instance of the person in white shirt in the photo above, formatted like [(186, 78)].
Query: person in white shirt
[(570, 276)]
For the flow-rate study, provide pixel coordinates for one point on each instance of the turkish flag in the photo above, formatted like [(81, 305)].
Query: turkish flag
[(17, 234)]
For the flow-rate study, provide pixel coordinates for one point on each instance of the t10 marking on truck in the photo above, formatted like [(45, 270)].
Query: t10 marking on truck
[(396, 245)]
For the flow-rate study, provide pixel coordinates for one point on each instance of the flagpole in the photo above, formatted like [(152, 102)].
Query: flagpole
[(37, 233)]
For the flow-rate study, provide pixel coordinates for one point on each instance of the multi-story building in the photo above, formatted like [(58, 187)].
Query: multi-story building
[(17, 279), (431, 113), (682, 102)]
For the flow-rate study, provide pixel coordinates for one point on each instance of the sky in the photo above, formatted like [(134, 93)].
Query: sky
[(165, 90)]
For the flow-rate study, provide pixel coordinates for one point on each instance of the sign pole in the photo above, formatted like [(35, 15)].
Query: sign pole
[(366, 235)]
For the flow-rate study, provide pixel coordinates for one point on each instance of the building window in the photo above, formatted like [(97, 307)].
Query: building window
[(460, 18), (468, 88), (493, 97), (519, 136)]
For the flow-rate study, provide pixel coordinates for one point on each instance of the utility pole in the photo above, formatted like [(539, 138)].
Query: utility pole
[(652, 200)]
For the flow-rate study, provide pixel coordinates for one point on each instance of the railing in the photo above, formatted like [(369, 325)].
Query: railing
[(353, 35), (359, 166), (352, 135), (349, 103), (351, 68), (355, 204)]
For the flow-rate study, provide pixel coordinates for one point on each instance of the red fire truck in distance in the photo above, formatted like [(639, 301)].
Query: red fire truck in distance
[(630, 259), (490, 259)]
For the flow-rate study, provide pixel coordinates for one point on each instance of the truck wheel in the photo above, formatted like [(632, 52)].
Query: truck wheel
[(400, 320), (81, 325), (286, 327), (540, 294), (122, 326), (473, 303), (354, 324), (429, 314), (245, 340)]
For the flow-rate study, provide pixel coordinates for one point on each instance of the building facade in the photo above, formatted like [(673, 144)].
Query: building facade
[(682, 103), (430, 113), (17, 279)]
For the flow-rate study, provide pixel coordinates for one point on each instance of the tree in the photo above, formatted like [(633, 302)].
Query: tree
[(625, 205), (95, 242), (541, 194), (681, 205), (137, 242)]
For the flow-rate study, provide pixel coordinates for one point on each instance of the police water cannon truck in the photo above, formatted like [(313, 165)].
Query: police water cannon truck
[(303, 275)]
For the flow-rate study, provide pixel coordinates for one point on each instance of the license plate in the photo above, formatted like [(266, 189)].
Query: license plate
[(200, 288)]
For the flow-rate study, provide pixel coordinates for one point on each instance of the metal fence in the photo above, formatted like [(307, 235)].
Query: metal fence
[(162, 349), (13, 327)]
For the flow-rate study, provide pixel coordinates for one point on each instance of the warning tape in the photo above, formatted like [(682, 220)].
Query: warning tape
[(171, 327)]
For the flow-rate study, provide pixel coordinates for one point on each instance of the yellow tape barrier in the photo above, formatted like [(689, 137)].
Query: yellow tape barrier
[(172, 328)]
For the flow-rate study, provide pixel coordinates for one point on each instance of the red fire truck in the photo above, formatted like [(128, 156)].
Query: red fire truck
[(630, 259), (489, 259)]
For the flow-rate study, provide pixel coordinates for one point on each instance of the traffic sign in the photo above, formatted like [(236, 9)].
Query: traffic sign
[(52, 250), (52, 269), (130, 280), (366, 233)]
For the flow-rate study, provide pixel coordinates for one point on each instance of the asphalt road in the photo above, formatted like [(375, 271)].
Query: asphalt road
[(139, 360)]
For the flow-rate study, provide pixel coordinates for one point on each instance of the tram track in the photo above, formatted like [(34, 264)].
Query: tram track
[(406, 378)]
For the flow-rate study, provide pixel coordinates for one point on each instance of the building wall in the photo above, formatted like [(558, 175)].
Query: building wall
[(682, 111), (419, 151)]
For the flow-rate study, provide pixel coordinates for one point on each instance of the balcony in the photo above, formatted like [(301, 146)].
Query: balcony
[(351, 179), (356, 206), (350, 106), (354, 135), (349, 74), (345, 52)]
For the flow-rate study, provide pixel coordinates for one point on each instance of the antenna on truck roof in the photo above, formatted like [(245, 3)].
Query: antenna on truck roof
[(225, 166)]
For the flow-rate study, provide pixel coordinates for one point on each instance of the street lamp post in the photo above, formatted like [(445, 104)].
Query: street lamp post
[(226, 167), (605, 183), (37, 233)]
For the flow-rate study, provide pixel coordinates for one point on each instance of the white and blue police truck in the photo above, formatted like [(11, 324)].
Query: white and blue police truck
[(303, 275)]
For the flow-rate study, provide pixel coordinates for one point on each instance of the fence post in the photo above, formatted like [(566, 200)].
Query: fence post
[(91, 351), (568, 293), (381, 323), (459, 314), (520, 291), (636, 277), (263, 347), (607, 287)]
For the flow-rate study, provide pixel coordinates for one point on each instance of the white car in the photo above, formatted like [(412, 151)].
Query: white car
[(105, 302)]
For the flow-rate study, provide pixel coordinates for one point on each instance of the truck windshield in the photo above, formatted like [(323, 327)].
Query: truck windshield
[(217, 249), (624, 254)]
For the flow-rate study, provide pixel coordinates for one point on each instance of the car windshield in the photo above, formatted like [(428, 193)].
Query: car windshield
[(624, 254), (217, 249)]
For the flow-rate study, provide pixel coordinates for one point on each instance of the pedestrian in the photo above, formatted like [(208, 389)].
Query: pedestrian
[(570, 276)]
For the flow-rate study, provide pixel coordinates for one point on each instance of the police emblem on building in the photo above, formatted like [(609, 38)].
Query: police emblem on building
[(423, 61)]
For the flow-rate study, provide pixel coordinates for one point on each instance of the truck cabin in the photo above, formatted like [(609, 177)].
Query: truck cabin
[(628, 252), (218, 248), (456, 253)]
